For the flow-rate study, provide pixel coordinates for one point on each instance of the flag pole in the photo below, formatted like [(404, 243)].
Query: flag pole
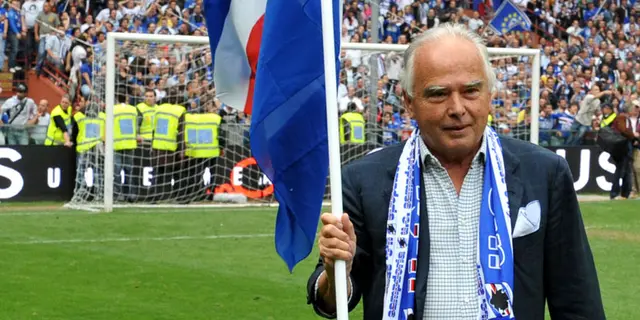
[(328, 45)]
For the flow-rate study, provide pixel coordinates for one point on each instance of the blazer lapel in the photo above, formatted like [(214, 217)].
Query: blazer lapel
[(514, 186)]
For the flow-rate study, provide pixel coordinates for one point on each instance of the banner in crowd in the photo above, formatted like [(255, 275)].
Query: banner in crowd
[(38, 173)]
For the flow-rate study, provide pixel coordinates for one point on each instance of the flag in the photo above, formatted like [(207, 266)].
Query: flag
[(289, 124), (235, 31), (508, 18)]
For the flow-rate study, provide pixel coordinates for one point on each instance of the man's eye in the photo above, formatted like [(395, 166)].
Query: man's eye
[(472, 91)]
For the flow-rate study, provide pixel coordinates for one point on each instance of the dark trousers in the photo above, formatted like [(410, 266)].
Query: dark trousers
[(14, 42), (623, 171), (202, 177), (30, 47), (123, 168), (166, 168)]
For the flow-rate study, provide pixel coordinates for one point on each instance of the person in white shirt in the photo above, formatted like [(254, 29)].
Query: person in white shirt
[(351, 97), (30, 11), (131, 9), (104, 14), (21, 109), (40, 123)]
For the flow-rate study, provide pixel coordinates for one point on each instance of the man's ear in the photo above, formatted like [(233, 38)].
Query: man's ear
[(407, 102)]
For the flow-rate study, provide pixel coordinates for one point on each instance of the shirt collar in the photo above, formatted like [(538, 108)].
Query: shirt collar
[(427, 157)]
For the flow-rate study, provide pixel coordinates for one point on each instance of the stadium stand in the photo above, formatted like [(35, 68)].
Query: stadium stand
[(583, 44)]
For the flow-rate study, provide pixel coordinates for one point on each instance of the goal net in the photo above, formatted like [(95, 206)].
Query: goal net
[(135, 155)]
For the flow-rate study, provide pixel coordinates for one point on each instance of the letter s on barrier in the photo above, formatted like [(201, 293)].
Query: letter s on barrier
[(17, 183)]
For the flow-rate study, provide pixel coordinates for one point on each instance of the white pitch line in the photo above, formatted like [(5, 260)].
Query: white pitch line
[(177, 238)]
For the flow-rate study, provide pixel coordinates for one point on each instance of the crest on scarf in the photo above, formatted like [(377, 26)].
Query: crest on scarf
[(499, 299)]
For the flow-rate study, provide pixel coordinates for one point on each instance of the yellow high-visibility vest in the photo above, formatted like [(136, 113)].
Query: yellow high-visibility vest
[(90, 131), (201, 135), (125, 127), (165, 132), (356, 126), (608, 120), (55, 136), (148, 113)]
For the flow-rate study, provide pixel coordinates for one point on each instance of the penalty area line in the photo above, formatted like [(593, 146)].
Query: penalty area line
[(136, 239)]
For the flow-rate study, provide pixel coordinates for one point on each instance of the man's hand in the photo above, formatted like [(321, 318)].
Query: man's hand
[(68, 144), (337, 242)]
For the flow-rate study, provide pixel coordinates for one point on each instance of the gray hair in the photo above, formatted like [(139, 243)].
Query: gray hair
[(437, 33)]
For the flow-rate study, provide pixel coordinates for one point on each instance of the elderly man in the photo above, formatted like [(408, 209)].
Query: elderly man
[(457, 223)]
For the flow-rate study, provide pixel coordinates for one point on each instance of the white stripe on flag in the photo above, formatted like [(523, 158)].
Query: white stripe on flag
[(231, 66)]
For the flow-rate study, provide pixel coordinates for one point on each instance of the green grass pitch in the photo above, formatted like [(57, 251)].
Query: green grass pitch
[(212, 264)]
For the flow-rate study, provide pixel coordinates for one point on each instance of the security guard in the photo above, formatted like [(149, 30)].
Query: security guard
[(126, 120), (167, 144), (352, 126), (60, 124), (203, 142), (607, 115), (89, 132), (148, 109)]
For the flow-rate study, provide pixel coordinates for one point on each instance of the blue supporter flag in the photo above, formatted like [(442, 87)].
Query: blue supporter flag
[(289, 122), (284, 90), (508, 18)]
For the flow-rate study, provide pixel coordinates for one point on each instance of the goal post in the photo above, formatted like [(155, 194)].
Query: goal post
[(235, 171)]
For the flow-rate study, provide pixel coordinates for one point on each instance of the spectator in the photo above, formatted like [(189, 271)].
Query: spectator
[(21, 110), (31, 9), (588, 107), (15, 34), (46, 24), (40, 123)]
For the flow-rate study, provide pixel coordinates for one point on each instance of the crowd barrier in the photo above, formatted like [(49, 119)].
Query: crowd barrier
[(39, 173)]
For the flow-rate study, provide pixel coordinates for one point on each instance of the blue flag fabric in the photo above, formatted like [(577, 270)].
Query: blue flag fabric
[(289, 122), (509, 18)]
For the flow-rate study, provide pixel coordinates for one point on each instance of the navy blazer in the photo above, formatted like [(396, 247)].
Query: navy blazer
[(554, 263)]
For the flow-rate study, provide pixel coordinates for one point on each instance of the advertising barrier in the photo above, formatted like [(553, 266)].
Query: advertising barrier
[(38, 173)]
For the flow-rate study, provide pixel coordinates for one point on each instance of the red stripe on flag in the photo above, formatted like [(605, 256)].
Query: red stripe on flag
[(253, 52), (412, 285)]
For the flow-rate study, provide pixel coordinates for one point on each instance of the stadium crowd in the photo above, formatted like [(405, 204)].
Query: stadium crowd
[(590, 66)]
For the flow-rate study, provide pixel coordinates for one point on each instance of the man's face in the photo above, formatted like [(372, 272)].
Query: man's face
[(573, 109), (64, 103), (451, 98), (150, 98)]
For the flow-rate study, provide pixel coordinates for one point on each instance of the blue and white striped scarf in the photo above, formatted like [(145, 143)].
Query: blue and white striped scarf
[(495, 254)]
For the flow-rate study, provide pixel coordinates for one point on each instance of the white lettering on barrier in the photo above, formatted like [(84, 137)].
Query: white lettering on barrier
[(53, 177), (16, 182)]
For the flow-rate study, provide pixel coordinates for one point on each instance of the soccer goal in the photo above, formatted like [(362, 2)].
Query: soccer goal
[(126, 169)]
